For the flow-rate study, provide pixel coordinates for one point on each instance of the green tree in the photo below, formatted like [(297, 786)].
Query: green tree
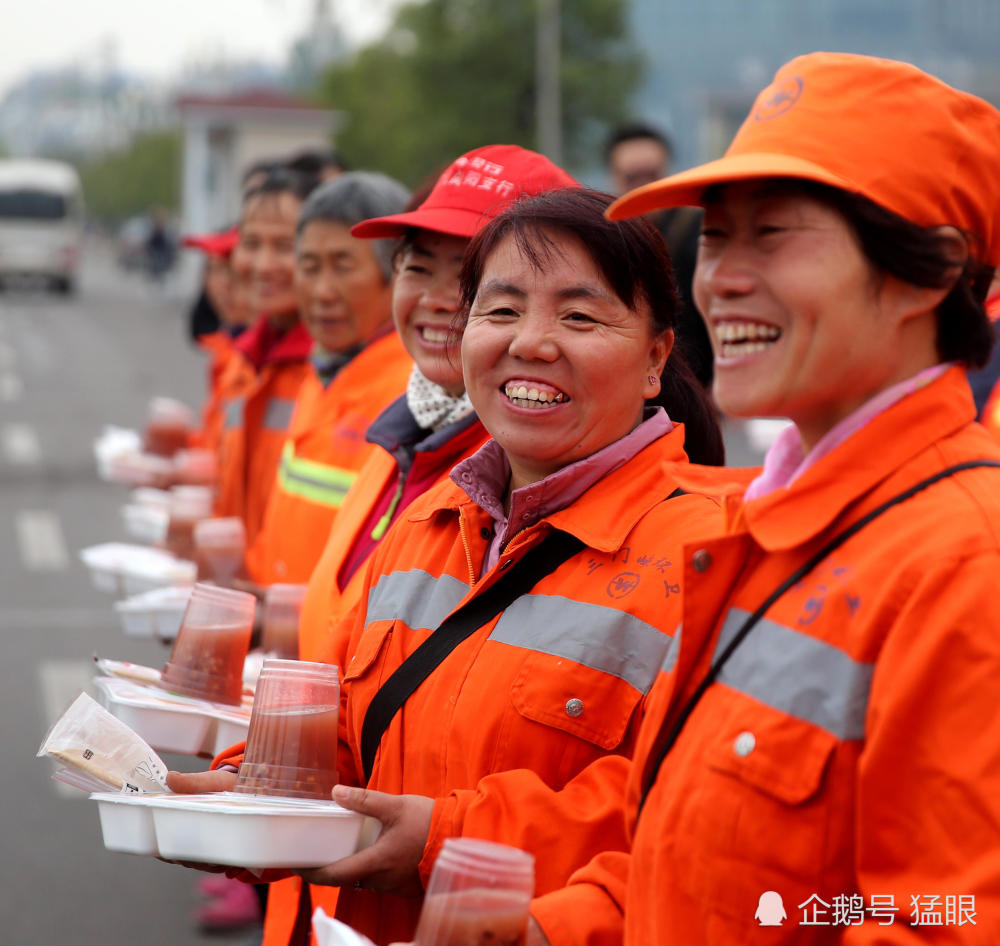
[(451, 75), (129, 182)]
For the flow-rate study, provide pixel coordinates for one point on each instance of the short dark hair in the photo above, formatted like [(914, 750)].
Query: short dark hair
[(920, 256), (279, 179), (316, 160), (636, 131), (633, 260)]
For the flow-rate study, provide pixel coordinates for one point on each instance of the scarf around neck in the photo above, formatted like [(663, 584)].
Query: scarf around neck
[(431, 405)]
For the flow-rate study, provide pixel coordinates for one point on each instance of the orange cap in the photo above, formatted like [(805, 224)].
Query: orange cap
[(875, 127)]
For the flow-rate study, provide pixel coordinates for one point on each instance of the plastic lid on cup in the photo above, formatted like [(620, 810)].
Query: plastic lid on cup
[(170, 410), (224, 531), (465, 862), (292, 595), (191, 502)]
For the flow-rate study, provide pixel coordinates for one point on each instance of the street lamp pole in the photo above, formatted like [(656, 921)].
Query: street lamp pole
[(548, 99)]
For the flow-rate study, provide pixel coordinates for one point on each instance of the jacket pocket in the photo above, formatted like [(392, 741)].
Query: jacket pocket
[(372, 643), (762, 808), (586, 703)]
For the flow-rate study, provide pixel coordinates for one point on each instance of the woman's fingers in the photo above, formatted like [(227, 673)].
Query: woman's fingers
[(195, 783)]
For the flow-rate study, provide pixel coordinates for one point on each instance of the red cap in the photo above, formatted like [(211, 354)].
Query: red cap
[(214, 244), (875, 127), (472, 191)]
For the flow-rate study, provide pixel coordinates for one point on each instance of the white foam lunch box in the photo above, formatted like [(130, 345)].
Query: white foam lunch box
[(173, 723), (253, 831)]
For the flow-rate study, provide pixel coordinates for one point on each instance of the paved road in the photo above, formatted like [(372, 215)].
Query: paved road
[(67, 367)]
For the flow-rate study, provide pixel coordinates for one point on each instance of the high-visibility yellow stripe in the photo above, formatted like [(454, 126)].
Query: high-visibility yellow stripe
[(320, 483)]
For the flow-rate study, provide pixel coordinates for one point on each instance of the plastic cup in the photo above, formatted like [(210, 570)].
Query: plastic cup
[(188, 505), (212, 643), (291, 745), (195, 467), (282, 607), (478, 895), (167, 427), (219, 547)]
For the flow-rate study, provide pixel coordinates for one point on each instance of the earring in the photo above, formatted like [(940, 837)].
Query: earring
[(653, 379)]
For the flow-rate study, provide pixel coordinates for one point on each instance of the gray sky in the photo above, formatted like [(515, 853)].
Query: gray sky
[(158, 38)]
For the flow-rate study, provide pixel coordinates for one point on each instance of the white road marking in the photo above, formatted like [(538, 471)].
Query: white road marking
[(60, 682), (11, 387), (20, 444), (41, 541), (56, 618)]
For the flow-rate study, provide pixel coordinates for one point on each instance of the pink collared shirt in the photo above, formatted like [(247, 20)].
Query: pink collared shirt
[(486, 474), (785, 460)]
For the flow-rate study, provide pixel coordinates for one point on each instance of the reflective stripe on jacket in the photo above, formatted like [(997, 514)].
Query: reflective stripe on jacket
[(324, 449), (851, 745)]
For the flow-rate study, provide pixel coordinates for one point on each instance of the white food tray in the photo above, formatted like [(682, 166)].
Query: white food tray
[(145, 523), (171, 723), (229, 828), (157, 613), (126, 569)]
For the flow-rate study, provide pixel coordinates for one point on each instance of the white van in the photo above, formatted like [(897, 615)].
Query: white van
[(41, 221)]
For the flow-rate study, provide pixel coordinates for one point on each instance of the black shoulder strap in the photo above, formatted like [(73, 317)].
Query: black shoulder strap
[(539, 561), (649, 776)]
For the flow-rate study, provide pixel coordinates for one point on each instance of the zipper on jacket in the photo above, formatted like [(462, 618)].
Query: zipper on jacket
[(468, 551)]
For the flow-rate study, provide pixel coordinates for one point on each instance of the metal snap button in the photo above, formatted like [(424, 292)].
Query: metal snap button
[(744, 744), (574, 707), (701, 560)]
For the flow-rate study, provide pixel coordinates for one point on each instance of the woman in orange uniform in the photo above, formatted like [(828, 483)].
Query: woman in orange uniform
[(821, 752), (258, 388)]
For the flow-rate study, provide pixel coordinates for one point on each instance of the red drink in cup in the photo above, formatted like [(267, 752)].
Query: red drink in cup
[(478, 895), (168, 426), (291, 746), (220, 545), (480, 917), (207, 658), (188, 506), (282, 607)]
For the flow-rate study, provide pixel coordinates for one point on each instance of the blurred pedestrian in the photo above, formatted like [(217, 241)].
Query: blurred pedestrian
[(635, 154)]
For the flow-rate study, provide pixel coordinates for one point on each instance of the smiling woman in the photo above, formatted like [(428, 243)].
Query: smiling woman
[(834, 689)]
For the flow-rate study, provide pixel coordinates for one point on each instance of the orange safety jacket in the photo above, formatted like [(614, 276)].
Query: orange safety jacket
[(321, 457), (503, 733), (848, 756), (219, 348), (257, 391)]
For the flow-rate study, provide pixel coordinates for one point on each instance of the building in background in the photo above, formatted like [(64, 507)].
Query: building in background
[(225, 134), (707, 60)]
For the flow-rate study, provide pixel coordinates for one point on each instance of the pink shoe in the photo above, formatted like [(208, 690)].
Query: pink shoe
[(214, 885), (235, 907)]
